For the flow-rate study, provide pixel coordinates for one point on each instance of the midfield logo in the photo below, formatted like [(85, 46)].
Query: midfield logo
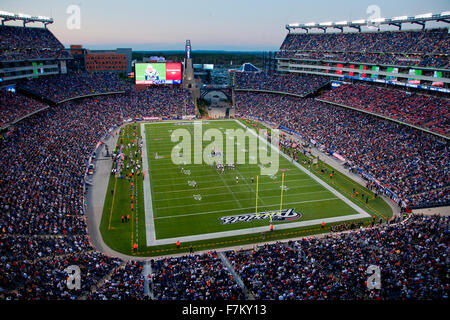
[(284, 215)]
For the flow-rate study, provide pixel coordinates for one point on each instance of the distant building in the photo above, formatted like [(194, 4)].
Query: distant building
[(204, 75), (77, 63), (128, 53), (153, 59), (77, 49), (107, 61), (118, 60), (269, 61), (248, 67)]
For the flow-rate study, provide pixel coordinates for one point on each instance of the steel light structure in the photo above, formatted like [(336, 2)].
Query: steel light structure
[(26, 18), (419, 19)]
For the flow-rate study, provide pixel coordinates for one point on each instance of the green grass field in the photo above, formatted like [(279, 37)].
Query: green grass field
[(186, 213)]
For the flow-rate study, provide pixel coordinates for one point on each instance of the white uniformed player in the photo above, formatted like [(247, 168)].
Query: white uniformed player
[(151, 74)]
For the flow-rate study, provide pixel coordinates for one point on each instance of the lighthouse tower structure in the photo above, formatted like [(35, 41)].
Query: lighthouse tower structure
[(188, 75)]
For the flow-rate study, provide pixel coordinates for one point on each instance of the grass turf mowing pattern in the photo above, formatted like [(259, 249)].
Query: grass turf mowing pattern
[(177, 212), (170, 189)]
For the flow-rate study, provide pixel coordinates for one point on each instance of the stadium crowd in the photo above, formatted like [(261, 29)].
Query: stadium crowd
[(194, 277), (160, 101), (429, 112), (269, 81), (126, 282), (25, 247), (412, 257), (44, 157), (437, 41), (44, 231), (65, 86), (19, 43), (408, 162), (42, 223), (46, 278), (13, 106), (409, 60), (410, 48)]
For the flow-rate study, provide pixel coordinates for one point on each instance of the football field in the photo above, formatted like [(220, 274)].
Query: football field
[(185, 197), (179, 209)]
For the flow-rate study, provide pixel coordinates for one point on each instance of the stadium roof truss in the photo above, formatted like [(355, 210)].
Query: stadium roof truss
[(420, 19), (8, 16)]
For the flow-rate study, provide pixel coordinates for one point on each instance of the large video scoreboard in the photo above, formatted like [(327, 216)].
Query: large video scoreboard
[(158, 73)]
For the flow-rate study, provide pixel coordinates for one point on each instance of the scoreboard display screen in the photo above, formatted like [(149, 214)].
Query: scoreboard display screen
[(158, 73), (414, 72), (438, 76), (392, 70)]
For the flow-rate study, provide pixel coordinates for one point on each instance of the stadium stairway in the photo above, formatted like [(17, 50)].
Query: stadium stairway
[(237, 278), (147, 271), (99, 284)]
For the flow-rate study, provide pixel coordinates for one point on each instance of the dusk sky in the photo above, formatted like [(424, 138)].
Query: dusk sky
[(209, 24)]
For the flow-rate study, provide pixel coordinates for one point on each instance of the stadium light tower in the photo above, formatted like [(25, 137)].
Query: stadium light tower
[(25, 18), (397, 21), (340, 25), (357, 24), (6, 16), (420, 19), (324, 25), (445, 17)]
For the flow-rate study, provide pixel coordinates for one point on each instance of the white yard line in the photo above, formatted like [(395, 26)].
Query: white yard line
[(206, 121), (232, 193), (253, 192), (251, 189), (240, 209), (150, 233), (209, 180), (226, 201), (210, 175), (219, 187), (136, 199)]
